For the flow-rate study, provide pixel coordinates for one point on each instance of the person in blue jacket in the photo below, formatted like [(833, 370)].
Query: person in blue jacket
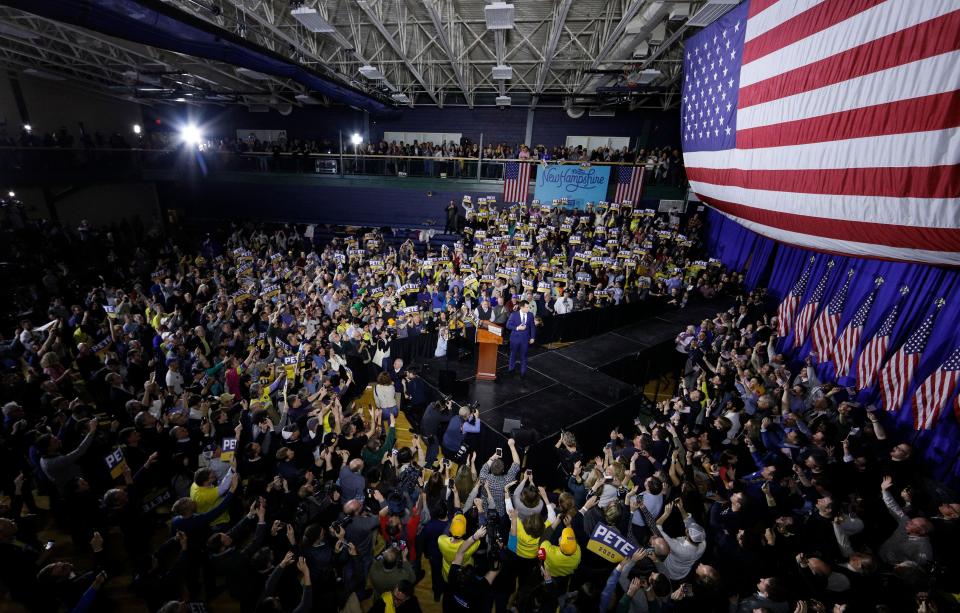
[(523, 331)]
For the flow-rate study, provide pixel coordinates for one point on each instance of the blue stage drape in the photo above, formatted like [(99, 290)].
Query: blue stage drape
[(777, 266)]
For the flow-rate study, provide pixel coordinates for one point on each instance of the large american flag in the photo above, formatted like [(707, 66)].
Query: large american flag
[(872, 355), (789, 305), (933, 394), (898, 371), (830, 124), (629, 184), (516, 181), (846, 347), (805, 318), (825, 330)]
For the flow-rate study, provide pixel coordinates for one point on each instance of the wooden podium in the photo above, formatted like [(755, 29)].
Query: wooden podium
[(489, 341)]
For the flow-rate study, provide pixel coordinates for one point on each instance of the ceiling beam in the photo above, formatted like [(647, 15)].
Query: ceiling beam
[(553, 39), (445, 44), (612, 38), (397, 48)]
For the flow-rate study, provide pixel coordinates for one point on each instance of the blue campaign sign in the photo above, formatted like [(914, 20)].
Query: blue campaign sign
[(578, 184)]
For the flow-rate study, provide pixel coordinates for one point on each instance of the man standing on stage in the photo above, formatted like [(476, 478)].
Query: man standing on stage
[(522, 333)]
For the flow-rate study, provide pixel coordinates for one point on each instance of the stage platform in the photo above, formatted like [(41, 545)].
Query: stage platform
[(567, 386)]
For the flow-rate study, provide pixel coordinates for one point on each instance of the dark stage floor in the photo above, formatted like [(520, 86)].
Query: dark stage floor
[(568, 386)]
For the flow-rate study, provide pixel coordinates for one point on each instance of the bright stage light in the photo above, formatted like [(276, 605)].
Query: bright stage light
[(191, 134), (356, 139), (27, 127), (136, 128)]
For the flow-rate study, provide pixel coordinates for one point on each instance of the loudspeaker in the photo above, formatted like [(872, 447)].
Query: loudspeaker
[(447, 381)]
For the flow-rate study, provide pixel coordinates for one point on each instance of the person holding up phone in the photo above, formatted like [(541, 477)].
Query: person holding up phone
[(496, 473)]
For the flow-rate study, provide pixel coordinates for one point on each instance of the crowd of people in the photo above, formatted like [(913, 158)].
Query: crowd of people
[(198, 417), (452, 159)]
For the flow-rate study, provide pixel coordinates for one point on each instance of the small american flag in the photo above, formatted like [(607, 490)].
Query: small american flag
[(825, 330), (805, 318), (873, 352), (516, 181), (932, 395), (846, 347), (629, 184), (789, 305), (898, 371)]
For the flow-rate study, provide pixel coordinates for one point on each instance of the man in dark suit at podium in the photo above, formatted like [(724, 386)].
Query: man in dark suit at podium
[(523, 331)]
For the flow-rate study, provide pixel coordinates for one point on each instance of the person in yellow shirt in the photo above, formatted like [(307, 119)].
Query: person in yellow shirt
[(449, 544), (207, 493), (562, 559), (527, 532)]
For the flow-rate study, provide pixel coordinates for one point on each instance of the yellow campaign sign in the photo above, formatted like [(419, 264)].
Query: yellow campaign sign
[(116, 463), (227, 448), (609, 545)]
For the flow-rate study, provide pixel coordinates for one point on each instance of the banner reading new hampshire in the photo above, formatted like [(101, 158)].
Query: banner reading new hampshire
[(578, 184)]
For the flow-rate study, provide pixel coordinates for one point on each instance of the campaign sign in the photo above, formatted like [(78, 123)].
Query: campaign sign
[(227, 448), (116, 463), (578, 185), (609, 545)]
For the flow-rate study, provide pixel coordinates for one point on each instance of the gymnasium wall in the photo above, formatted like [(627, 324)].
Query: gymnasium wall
[(324, 203)]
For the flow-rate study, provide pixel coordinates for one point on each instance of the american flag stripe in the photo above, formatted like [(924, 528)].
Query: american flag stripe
[(846, 347), (809, 20), (789, 305), (898, 372), (887, 235), (924, 40), (893, 385), (870, 361), (838, 36), (846, 208), (785, 314), (779, 127), (934, 393), (516, 181), (629, 184), (819, 105), (825, 328), (873, 353), (805, 319), (859, 182)]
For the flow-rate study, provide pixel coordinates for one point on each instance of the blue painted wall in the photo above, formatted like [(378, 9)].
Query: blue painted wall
[(342, 205), (498, 126), (551, 126)]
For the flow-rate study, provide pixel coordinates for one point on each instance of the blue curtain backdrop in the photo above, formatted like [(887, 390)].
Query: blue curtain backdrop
[(777, 267)]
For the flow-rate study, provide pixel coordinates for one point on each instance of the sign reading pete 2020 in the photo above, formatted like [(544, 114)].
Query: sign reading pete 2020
[(578, 184)]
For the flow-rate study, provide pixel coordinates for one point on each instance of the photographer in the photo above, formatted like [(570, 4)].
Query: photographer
[(436, 417), (357, 527), (454, 438)]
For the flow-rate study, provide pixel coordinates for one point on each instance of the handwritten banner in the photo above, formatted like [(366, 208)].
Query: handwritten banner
[(576, 185)]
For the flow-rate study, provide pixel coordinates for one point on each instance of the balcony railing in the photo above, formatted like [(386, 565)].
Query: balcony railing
[(20, 162)]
